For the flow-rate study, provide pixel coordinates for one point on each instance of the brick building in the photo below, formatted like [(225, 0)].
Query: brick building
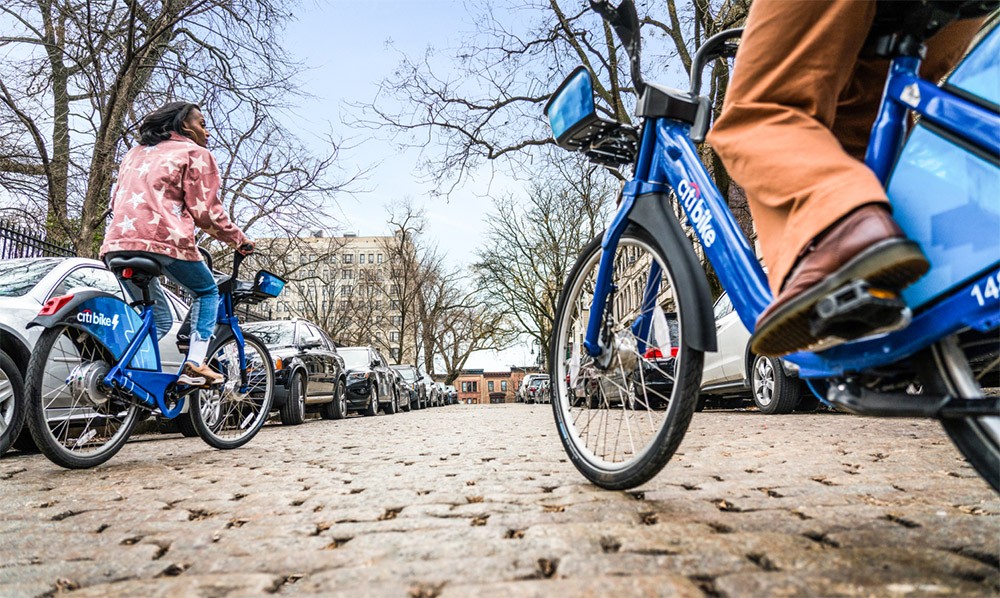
[(481, 387)]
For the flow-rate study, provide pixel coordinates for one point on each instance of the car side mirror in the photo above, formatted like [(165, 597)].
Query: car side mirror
[(311, 345)]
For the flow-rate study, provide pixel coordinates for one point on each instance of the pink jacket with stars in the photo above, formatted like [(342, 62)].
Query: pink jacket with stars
[(163, 191)]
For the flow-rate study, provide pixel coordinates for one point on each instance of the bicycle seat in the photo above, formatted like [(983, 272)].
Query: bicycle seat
[(138, 265)]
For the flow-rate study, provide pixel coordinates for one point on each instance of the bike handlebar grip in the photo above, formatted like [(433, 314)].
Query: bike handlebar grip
[(246, 248)]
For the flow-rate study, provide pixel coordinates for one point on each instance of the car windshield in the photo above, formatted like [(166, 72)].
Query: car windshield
[(17, 277), (355, 357), (406, 373), (274, 334)]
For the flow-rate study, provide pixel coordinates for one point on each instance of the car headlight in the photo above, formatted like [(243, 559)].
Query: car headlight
[(357, 376)]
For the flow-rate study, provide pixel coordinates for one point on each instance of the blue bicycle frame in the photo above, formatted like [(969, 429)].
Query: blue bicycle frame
[(149, 386), (667, 160)]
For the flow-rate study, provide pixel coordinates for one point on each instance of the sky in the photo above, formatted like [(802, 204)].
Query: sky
[(347, 49)]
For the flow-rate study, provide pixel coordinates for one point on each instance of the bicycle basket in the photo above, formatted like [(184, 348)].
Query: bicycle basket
[(576, 126), (267, 284)]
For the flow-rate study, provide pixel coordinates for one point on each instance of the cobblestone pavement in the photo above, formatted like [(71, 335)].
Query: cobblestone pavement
[(480, 501)]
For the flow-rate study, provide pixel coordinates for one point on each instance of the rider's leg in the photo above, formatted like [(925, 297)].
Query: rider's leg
[(198, 280), (795, 88)]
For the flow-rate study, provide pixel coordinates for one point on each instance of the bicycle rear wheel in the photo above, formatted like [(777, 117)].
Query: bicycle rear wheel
[(225, 417), (978, 438), (75, 420), (622, 416)]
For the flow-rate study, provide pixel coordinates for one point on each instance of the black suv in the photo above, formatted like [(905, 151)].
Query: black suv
[(308, 371), (370, 383)]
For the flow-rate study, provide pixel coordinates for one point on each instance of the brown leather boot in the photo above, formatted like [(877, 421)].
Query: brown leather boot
[(867, 244)]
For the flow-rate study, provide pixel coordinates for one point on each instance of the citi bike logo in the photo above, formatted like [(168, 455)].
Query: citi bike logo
[(697, 211), (97, 318)]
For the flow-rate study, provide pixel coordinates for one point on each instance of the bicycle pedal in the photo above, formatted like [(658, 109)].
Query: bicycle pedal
[(857, 310)]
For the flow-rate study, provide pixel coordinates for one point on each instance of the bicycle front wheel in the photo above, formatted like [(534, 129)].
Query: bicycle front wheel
[(225, 417), (76, 421), (622, 415)]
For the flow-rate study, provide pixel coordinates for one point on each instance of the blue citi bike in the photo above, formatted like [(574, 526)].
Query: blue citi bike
[(95, 371), (635, 315)]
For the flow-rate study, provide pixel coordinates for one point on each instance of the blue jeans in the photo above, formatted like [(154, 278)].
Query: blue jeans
[(197, 279)]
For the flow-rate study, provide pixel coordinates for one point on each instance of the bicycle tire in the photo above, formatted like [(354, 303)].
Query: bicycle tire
[(225, 418), (51, 381), (639, 400), (946, 371)]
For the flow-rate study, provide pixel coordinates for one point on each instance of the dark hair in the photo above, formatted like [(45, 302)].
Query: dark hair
[(166, 119)]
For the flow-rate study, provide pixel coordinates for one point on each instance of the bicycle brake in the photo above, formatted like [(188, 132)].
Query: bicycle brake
[(857, 310)]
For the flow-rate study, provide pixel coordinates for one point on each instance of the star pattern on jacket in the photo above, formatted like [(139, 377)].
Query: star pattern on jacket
[(198, 163), (144, 169), (126, 224), (137, 198)]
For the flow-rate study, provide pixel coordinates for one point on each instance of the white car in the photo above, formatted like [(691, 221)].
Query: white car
[(735, 370), (526, 382), (26, 284)]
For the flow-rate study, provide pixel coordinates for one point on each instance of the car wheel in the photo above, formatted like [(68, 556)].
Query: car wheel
[(185, 426), (293, 412), (11, 402), (393, 407), (373, 405), (700, 405), (337, 408), (773, 391)]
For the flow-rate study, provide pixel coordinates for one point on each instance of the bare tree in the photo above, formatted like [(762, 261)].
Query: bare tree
[(531, 248), (489, 106), (79, 75)]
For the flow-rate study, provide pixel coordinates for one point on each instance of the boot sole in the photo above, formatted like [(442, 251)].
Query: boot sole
[(892, 265)]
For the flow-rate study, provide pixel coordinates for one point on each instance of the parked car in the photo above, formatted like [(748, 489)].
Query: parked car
[(433, 393), (538, 392), (771, 382), (26, 284), (308, 373), (370, 383), (402, 390), (417, 391), (522, 390), (531, 393)]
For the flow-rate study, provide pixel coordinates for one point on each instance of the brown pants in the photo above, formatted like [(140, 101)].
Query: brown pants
[(798, 113)]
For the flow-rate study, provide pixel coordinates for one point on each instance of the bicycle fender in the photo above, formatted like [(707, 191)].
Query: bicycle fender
[(650, 212), (106, 318)]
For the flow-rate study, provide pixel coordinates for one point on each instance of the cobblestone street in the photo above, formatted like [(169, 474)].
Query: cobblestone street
[(481, 501)]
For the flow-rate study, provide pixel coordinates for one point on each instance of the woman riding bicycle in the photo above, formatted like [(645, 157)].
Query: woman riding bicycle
[(166, 186)]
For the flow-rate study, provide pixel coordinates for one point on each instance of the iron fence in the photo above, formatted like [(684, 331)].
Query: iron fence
[(18, 240)]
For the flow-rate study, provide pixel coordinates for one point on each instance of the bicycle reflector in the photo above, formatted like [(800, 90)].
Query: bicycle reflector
[(54, 304), (127, 273)]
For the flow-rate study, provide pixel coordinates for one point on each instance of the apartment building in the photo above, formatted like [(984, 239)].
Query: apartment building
[(349, 285)]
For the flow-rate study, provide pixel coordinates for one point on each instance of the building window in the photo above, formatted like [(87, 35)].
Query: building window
[(489, 386), (397, 320), (348, 258), (347, 273), (302, 304), (395, 354), (361, 258), (345, 291), (474, 386), (371, 258), (380, 258), (503, 385), (394, 336), (395, 305), (463, 387)]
